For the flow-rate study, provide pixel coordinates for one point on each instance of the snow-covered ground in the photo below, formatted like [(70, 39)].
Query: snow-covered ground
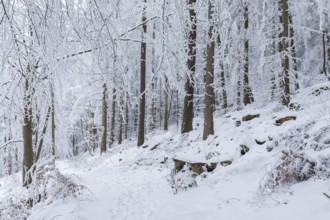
[(125, 190), (135, 183)]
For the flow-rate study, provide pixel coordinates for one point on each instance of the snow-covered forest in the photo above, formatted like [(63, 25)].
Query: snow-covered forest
[(165, 109)]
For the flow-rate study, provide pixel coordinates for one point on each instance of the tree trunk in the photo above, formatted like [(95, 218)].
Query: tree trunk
[(239, 80), (328, 52), (284, 49), (153, 82), (166, 105), (274, 51), (238, 93), (273, 87), (325, 71), (104, 119), (126, 117), (121, 118), (247, 92), (177, 108), (294, 54), (142, 80), (120, 130), (222, 75), (92, 131), (113, 116), (74, 149), (223, 89), (188, 104), (53, 119), (160, 103), (209, 78), (27, 135)]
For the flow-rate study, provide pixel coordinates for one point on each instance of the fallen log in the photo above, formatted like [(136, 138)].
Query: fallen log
[(196, 167)]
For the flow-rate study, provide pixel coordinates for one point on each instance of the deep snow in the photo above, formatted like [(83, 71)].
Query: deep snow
[(132, 183)]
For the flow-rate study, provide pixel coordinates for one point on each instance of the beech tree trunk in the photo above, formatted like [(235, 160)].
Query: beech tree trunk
[(284, 50), (238, 93), (142, 80), (126, 117), (325, 71), (27, 135), (104, 119), (92, 131), (121, 119), (274, 51), (273, 87), (247, 92), (153, 82), (222, 75), (53, 119), (209, 78), (294, 54), (188, 104), (113, 117), (166, 105), (177, 108), (328, 52)]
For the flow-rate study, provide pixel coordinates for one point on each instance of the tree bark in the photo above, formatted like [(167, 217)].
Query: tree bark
[(328, 52), (222, 75), (325, 71), (126, 117), (142, 81), (121, 119), (153, 82), (92, 131), (166, 105), (274, 51), (43, 133), (294, 54), (209, 78), (53, 119), (238, 93), (113, 116), (177, 108), (27, 135), (104, 119), (273, 87), (247, 92), (188, 104), (284, 49)]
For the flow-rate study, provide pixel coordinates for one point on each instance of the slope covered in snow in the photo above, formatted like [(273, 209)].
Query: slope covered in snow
[(139, 183)]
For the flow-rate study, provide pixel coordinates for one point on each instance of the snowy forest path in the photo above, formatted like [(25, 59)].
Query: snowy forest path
[(119, 188), (121, 191), (126, 186)]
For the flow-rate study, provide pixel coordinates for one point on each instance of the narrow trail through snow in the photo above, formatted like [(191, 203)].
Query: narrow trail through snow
[(126, 191)]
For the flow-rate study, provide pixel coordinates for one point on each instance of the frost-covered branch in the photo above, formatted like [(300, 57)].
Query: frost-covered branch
[(10, 142)]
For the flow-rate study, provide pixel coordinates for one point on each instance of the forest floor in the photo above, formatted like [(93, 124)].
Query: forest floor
[(139, 184)]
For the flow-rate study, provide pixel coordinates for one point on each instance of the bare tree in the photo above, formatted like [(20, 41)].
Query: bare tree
[(188, 104), (294, 54), (222, 75), (247, 92), (113, 116), (284, 50), (104, 119), (209, 76), (141, 128)]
